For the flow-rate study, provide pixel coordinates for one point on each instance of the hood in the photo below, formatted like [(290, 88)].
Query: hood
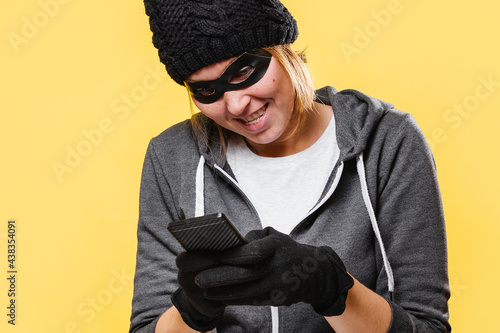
[(356, 115)]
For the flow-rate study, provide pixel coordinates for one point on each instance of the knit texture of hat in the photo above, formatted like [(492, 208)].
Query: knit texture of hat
[(190, 35)]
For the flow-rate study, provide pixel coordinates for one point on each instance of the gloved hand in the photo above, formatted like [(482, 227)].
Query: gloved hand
[(196, 310), (273, 269)]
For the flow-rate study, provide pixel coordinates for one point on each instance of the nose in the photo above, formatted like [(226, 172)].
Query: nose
[(236, 101)]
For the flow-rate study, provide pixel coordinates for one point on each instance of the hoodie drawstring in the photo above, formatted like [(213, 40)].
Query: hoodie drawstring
[(366, 197), (199, 209)]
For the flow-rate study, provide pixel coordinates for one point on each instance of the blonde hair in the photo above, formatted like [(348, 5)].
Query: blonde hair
[(294, 64)]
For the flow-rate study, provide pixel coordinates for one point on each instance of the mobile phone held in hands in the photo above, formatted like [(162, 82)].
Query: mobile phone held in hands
[(212, 232)]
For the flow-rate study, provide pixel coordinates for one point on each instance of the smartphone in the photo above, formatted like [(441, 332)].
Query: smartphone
[(212, 232)]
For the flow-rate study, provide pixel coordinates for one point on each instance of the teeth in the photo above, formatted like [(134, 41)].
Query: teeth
[(254, 118)]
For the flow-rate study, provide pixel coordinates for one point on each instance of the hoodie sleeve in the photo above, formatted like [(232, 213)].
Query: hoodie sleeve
[(155, 276), (410, 215)]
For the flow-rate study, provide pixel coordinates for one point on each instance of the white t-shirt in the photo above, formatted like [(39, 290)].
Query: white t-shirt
[(284, 189)]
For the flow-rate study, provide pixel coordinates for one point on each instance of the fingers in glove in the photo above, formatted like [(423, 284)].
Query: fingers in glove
[(195, 261), (252, 253), (239, 294), (197, 311), (251, 293), (258, 234), (224, 276), (186, 280)]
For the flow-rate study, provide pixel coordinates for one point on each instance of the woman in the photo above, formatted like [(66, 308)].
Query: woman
[(335, 191)]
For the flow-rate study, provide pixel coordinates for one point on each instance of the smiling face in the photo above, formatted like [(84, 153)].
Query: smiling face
[(260, 112)]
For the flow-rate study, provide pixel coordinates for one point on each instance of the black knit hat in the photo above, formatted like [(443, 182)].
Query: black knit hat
[(190, 34)]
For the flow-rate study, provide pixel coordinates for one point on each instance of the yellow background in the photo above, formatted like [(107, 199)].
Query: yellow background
[(68, 67)]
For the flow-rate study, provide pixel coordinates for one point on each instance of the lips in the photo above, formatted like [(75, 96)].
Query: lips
[(255, 117)]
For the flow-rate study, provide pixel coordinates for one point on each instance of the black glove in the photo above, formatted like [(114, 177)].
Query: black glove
[(196, 310), (273, 269)]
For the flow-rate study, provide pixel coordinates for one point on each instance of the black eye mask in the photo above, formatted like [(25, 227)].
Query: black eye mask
[(245, 71)]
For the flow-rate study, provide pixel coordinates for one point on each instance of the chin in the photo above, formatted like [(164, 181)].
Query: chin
[(263, 139)]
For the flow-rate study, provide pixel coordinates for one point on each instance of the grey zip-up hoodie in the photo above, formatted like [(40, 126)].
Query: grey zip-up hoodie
[(380, 211)]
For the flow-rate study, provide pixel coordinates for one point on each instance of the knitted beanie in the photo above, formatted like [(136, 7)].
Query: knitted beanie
[(192, 34)]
